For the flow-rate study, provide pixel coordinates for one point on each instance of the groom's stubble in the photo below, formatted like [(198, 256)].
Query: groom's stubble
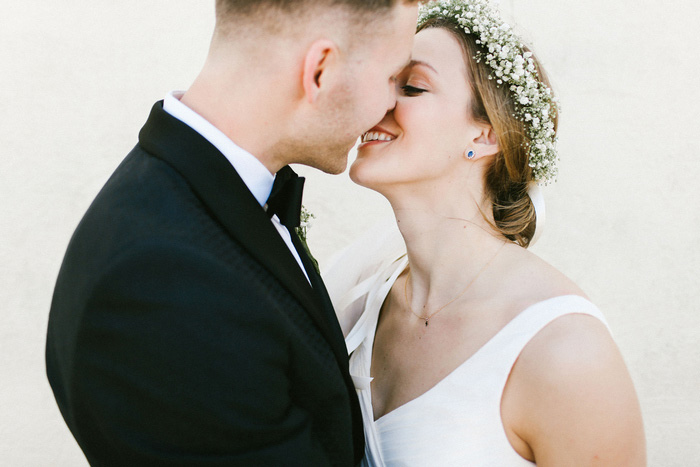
[(331, 136), (300, 122)]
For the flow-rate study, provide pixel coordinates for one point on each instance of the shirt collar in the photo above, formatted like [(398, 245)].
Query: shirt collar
[(254, 174)]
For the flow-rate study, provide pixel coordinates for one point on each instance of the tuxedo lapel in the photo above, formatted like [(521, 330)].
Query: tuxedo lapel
[(339, 350), (217, 184), (222, 191), (322, 296)]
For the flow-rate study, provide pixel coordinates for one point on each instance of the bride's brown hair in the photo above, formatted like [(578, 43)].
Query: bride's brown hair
[(508, 176)]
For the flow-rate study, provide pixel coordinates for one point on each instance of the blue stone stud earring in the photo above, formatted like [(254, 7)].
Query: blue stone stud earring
[(470, 154)]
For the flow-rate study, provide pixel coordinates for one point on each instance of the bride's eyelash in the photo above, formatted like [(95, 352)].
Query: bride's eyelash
[(411, 90)]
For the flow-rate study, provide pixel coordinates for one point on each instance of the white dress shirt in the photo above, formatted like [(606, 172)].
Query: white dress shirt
[(254, 174)]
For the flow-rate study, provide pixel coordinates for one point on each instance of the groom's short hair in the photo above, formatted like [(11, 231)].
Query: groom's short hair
[(270, 12), (250, 6)]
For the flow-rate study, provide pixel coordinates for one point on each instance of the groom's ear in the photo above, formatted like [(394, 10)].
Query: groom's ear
[(319, 58)]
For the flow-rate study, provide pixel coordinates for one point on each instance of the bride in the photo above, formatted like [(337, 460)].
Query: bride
[(467, 349)]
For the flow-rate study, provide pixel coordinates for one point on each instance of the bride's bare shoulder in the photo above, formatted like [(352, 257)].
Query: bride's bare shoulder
[(537, 279), (570, 399)]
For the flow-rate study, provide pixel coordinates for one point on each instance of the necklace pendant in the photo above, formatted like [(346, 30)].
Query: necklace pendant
[(426, 323)]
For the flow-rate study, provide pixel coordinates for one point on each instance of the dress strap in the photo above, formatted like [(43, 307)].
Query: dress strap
[(374, 290), (358, 291), (508, 344)]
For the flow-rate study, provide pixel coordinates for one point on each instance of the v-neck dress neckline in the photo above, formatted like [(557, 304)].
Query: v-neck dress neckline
[(457, 421)]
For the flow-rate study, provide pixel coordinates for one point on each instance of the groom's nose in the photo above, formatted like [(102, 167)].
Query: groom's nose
[(391, 103)]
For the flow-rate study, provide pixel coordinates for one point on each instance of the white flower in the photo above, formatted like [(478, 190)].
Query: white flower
[(511, 65)]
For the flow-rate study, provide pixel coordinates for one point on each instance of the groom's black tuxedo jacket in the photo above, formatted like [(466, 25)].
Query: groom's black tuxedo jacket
[(183, 332)]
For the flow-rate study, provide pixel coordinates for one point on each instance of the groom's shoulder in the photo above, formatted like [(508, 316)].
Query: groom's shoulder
[(144, 201), (143, 190)]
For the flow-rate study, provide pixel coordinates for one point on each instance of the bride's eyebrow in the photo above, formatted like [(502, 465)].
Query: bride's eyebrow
[(413, 63)]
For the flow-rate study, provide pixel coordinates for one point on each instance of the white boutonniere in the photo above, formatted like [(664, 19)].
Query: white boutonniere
[(302, 230)]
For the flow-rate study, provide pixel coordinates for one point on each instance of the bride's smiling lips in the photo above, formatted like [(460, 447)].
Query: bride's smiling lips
[(376, 135)]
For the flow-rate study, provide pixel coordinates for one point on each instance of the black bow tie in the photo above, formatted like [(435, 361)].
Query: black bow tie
[(285, 198)]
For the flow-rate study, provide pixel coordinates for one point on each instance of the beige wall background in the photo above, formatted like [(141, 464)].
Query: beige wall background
[(78, 78)]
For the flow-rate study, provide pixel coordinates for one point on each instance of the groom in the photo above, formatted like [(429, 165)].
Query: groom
[(188, 325)]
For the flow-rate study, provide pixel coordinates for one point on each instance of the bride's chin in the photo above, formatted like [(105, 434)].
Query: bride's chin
[(362, 175)]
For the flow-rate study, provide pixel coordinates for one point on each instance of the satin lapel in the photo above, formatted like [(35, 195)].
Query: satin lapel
[(340, 351), (221, 189), (338, 341)]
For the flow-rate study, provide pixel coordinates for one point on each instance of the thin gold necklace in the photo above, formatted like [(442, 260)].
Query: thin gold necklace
[(427, 319)]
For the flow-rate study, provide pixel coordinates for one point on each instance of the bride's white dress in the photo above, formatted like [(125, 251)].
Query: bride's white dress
[(457, 422)]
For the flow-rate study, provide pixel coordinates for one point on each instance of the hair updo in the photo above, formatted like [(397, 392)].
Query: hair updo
[(509, 175)]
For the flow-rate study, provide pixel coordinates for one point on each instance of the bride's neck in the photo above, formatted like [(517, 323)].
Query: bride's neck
[(445, 246)]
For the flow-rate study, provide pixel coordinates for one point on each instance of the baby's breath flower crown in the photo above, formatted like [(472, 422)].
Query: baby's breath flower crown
[(510, 65)]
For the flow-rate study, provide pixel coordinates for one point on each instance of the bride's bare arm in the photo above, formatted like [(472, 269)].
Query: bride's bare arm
[(570, 399)]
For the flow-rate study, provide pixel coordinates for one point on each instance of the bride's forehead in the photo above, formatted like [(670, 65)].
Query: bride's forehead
[(438, 48)]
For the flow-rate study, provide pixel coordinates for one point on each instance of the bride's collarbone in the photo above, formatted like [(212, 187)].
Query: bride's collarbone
[(409, 358)]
